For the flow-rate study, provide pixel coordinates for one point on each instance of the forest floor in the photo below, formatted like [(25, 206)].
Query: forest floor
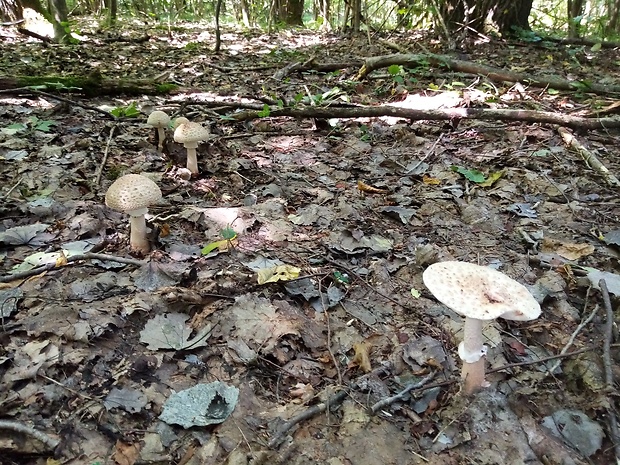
[(297, 330)]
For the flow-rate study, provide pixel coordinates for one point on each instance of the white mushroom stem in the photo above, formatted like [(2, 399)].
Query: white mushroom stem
[(161, 135), (192, 159), (137, 238), (472, 351)]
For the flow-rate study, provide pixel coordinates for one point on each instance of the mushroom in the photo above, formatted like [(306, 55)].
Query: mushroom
[(159, 120), (179, 121), (133, 194), (190, 135), (479, 294)]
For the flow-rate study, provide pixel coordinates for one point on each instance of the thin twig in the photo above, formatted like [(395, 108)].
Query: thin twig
[(336, 399), (48, 441), (588, 157), (105, 156), (609, 376), (107, 114), (281, 432), (402, 395), (70, 259), (572, 338)]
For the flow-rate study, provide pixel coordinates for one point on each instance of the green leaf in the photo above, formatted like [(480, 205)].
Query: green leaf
[(45, 125), (17, 126), (395, 69), (342, 278), (264, 112), (207, 249), (131, 111), (228, 233), (118, 112), (472, 175)]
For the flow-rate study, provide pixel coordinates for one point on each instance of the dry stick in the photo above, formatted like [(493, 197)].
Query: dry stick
[(72, 102), (49, 441), (588, 157), (281, 432), (609, 376), (338, 398), (572, 338), (72, 258), (105, 156), (402, 394)]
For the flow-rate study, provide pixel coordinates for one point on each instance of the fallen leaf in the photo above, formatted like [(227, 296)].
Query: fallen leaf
[(362, 357)]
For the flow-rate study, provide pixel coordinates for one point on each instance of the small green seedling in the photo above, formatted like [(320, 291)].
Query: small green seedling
[(228, 234), (129, 111), (472, 175), (265, 112), (32, 124)]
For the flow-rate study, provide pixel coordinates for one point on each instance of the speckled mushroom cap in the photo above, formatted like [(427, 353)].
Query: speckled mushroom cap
[(480, 292), (179, 121), (190, 134), (158, 119), (132, 194)]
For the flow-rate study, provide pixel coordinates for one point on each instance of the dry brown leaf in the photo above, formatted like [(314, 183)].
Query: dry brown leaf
[(568, 250), (362, 356), (125, 454)]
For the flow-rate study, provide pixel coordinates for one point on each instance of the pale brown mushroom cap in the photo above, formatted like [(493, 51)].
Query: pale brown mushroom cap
[(179, 121), (480, 292), (132, 194), (158, 119), (190, 134)]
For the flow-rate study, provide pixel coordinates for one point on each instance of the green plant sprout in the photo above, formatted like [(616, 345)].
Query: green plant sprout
[(129, 111), (472, 175), (32, 124), (228, 235), (265, 112)]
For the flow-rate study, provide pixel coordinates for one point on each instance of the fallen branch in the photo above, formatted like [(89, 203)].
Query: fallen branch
[(402, 395), (589, 157), (101, 166), (527, 116), (72, 258), (50, 442), (614, 432), (468, 67)]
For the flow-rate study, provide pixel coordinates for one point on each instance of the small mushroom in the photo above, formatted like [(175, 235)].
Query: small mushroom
[(190, 135), (133, 194), (159, 120), (179, 121), (479, 294)]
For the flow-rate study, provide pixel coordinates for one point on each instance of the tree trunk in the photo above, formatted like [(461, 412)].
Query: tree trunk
[(322, 14), (468, 15), (218, 34), (245, 13), (59, 11), (11, 10), (575, 11), (294, 13)]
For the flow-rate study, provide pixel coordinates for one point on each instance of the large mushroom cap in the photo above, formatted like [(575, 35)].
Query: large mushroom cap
[(190, 134), (132, 193), (158, 119), (480, 292)]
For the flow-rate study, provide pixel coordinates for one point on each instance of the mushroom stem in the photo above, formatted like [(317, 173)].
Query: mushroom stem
[(161, 135), (137, 237), (192, 160), (472, 351)]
